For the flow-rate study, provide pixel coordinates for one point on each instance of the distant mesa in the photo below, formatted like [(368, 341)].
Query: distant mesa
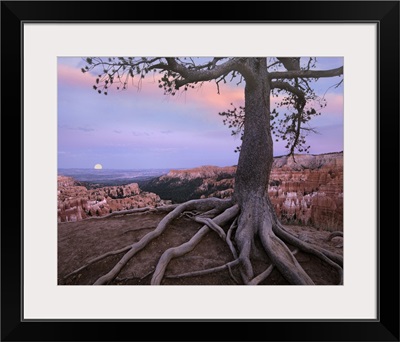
[(98, 167)]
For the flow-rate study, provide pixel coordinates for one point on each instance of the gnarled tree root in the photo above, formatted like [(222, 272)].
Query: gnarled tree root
[(204, 272), (215, 227), (174, 252), (283, 258), (202, 205), (332, 259), (264, 275), (256, 219), (99, 258), (164, 208), (335, 234)]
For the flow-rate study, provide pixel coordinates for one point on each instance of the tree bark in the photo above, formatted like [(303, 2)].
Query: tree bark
[(251, 183), (255, 161), (256, 155)]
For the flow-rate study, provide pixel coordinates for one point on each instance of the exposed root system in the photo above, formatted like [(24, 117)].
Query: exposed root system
[(247, 231)]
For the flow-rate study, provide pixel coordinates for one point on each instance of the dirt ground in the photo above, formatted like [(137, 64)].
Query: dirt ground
[(79, 242)]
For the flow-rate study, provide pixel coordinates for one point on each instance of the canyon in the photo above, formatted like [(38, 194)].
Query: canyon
[(304, 190), (76, 202), (308, 190)]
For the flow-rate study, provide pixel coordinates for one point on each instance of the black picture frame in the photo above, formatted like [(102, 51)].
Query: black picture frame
[(15, 13)]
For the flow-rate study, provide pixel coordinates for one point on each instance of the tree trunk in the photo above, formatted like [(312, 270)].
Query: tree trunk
[(256, 153), (251, 183)]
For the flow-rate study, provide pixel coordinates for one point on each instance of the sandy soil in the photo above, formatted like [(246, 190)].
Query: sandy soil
[(79, 242)]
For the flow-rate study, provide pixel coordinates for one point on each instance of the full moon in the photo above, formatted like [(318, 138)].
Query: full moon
[(98, 166)]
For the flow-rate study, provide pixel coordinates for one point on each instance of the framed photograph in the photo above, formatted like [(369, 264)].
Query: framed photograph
[(237, 179)]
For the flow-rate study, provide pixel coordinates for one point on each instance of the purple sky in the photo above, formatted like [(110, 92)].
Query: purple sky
[(143, 128)]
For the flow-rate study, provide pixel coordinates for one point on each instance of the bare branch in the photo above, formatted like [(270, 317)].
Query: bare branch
[(288, 87), (275, 63), (290, 63), (191, 76), (306, 73)]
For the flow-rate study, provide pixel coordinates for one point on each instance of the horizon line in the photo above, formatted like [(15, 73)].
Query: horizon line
[(190, 167)]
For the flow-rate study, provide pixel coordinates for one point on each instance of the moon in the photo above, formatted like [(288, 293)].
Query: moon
[(98, 167)]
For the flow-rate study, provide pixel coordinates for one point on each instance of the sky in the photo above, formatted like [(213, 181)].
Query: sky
[(141, 128)]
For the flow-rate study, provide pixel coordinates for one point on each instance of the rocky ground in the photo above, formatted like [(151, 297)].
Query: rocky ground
[(79, 242)]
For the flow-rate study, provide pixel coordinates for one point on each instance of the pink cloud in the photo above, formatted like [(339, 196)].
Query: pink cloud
[(204, 97), (72, 76), (208, 102), (209, 96)]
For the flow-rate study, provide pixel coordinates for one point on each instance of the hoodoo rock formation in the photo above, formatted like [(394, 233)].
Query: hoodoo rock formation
[(306, 189), (309, 190), (76, 202)]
